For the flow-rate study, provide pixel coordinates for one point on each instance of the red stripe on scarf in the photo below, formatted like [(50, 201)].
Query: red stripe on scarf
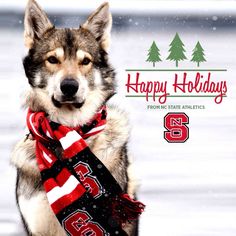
[(60, 180), (44, 161), (63, 189), (68, 199), (75, 148)]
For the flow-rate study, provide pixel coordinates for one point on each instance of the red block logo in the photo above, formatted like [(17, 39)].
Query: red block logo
[(80, 223), (88, 180), (176, 126)]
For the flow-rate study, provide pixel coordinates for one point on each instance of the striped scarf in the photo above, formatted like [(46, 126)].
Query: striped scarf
[(83, 194)]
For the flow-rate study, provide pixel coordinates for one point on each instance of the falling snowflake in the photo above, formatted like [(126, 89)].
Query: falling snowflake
[(214, 18)]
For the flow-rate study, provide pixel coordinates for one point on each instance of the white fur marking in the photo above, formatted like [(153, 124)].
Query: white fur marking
[(58, 192), (70, 138), (97, 78), (83, 88), (37, 79), (53, 87), (80, 54), (59, 52), (31, 208)]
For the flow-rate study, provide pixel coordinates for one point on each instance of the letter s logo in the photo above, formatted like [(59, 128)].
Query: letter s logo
[(89, 181), (80, 223), (177, 130)]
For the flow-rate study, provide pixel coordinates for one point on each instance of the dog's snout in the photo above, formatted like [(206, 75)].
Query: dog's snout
[(69, 87)]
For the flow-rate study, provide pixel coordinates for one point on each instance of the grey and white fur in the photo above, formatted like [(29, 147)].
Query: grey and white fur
[(70, 78)]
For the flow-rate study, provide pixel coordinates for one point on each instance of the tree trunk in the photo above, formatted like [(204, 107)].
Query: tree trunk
[(153, 64), (198, 64), (176, 63)]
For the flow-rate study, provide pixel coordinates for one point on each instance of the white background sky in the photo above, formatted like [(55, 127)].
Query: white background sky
[(177, 6)]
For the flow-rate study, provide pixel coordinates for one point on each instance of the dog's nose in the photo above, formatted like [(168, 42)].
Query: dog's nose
[(69, 87)]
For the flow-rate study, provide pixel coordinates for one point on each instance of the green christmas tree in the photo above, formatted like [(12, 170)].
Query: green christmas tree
[(153, 54), (198, 54), (176, 50)]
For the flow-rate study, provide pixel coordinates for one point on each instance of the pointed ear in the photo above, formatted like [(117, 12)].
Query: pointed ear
[(99, 24), (36, 23)]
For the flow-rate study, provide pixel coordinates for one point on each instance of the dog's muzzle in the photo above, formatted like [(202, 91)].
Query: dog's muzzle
[(69, 87)]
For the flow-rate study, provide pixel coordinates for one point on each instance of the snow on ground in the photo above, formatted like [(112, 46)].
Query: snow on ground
[(189, 188)]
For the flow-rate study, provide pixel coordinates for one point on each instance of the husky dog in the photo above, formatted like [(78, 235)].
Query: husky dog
[(70, 78)]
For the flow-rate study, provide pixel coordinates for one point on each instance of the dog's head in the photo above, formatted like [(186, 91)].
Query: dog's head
[(68, 69)]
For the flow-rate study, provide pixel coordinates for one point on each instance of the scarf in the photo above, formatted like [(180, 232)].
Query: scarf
[(84, 196)]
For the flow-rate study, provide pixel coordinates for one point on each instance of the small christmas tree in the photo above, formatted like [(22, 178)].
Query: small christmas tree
[(176, 50), (198, 54), (153, 54)]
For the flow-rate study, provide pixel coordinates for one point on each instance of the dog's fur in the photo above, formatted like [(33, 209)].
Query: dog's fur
[(81, 55)]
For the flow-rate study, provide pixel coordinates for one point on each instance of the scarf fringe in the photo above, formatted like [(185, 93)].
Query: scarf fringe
[(126, 209)]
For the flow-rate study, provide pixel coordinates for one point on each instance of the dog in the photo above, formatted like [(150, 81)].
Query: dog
[(70, 77)]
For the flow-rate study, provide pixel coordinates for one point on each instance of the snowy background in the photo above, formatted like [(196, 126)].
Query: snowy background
[(190, 188)]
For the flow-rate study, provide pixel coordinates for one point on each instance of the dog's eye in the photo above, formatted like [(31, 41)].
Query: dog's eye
[(53, 60), (86, 61)]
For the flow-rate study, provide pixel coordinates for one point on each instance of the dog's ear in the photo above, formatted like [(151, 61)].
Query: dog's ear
[(99, 24), (36, 23)]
